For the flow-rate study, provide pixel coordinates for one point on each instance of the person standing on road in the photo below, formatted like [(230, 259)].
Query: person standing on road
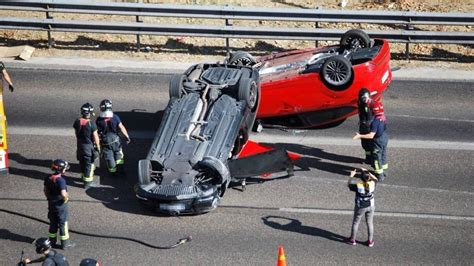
[(109, 126), (364, 188), (55, 190), (50, 256), (6, 77), (366, 116), (88, 146), (378, 133)]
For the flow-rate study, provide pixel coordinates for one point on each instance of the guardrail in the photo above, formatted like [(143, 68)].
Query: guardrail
[(406, 20)]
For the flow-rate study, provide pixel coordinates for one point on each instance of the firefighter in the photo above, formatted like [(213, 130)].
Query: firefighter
[(109, 126), (55, 190), (88, 146), (51, 256), (365, 104), (5, 76), (378, 135)]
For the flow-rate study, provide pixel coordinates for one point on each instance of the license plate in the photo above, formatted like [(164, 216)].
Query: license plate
[(172, 207)]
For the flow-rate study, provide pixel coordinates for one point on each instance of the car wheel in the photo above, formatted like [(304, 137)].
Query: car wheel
[(217, 167), (241, 58), (176, 86), (336, 72), (248, 92), (354, 39)]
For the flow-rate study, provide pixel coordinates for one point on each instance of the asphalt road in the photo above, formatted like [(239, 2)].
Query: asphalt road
[(425, 212)]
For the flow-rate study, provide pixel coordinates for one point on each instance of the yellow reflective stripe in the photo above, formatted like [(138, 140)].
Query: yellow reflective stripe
[(52, 235), (379, 171), (385, 166), (89, 178), (113, 169), (121, 160), (66, 232), (376, 165)]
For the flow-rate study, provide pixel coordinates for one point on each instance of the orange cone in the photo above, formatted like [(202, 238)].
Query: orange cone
[(281, 257)]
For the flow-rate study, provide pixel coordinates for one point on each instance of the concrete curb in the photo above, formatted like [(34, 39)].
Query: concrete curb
[(168, 67)]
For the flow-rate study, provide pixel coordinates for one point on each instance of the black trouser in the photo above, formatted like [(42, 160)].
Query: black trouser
[(379, 156), (58, 216), (86, 155), (366, 144), (113, 154)]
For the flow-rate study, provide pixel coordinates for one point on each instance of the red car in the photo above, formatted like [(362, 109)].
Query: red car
[(319, 86)]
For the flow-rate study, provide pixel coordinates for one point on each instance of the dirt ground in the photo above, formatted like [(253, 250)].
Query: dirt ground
[(192, 49)]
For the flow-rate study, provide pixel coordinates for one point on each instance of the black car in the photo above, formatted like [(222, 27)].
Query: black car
[(211, 110)]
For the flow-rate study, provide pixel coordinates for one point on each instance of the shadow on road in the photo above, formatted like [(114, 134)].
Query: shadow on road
[(293, 225), (8, 235), (35, 174), (24, 239)]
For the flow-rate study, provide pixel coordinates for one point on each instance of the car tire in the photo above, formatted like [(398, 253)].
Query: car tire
[(248, 92), (176, 86), (241, 58), (354, 39), (336, 72), (217, 166), (144, 168)]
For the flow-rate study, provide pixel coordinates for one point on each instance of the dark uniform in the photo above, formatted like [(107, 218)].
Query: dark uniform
[(86, 154), (366, 117), (379, 150), (54, 258), (110, 142), (57, 208)]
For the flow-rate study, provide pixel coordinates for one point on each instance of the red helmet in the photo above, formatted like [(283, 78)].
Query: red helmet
[(377, 108)]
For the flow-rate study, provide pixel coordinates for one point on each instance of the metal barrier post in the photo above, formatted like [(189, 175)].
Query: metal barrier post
[(228, 22), (49, 16), (407, 45), (316, 25), (139, 20)]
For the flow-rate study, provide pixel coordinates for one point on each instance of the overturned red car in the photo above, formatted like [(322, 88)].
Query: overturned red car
[(319, 86), (202, 144)]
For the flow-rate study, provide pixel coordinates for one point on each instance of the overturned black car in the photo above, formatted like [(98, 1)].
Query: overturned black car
[(211, 110)]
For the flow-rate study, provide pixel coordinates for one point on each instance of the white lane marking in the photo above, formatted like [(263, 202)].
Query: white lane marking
[(299, 138), (434, 118), (417, 189), (382, 214)]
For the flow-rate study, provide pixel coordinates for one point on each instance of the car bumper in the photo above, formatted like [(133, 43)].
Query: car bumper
[(178, 199)]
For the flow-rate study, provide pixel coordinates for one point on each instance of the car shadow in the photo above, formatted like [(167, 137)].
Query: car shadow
[(294, 225), (116, 191), (319, 159)]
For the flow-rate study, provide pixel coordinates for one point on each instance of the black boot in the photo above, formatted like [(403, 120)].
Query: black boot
[(65, 244), (88, 185), (53, 241)]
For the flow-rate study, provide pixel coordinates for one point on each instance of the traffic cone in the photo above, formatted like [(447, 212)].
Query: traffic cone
[(281, 257)]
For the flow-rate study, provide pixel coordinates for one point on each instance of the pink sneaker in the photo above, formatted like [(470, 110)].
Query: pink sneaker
[(370, 243), (351, 242)]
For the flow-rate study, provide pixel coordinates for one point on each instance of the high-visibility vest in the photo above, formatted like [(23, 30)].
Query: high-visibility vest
[(3, 133)]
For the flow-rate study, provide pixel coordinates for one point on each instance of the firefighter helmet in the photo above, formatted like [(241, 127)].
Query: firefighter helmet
[(42, 244), (364, 95), (378, 109), (105, 105), (87, 109), (59, 166), (89, 262)]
